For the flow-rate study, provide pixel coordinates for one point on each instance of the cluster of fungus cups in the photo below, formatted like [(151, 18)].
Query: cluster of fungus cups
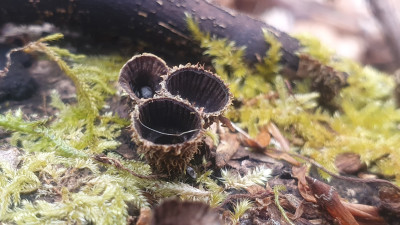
[(171, 107)]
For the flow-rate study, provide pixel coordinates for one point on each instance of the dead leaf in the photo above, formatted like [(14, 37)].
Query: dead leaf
[(299, 212), (348, 163), (365, 214), (263, 137), (305, 192), (227, 147), (274, 131), (255, 190), (226, 122), (145, 217), (246, 139), (282, 156), (328, 198)]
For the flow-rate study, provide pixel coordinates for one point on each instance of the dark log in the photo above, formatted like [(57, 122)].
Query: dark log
[(159, 23), (387, 14)]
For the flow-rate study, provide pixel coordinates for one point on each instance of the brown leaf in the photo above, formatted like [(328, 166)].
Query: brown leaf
[(281, 155), (328, 198), (349, 163), (255, 190), (263, 137), (299, 212), (274, 131), (145, 217), (296, 204), (365, 214), (225, 121), (305, 192), (228, 146), (246, 139)]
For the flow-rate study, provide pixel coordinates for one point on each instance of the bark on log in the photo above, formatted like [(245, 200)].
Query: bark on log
[(388, 16), (160, 23)]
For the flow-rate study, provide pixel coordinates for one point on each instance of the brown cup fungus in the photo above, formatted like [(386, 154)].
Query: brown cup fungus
[(167, 132), (171, 109), (205, 90), (140, 77)]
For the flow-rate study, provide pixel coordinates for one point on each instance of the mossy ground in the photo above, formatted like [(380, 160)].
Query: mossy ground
[(60, 132)]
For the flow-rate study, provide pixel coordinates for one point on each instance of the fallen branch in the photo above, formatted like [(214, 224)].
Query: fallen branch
[(161, 23), (389, 19)]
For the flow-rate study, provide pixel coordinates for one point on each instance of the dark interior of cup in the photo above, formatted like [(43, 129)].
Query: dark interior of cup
[(167, 121), (199, 87), (141, 76)]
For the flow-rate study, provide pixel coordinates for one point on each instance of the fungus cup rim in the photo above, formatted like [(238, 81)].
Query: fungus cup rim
[(125, 69), (208, 73), (166, 147)]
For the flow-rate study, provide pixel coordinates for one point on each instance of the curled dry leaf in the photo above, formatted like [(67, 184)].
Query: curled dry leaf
[(363, 214), (328, 198), (304, 189)]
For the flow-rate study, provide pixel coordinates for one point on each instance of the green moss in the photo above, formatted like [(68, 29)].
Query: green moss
[(57, 146), (59, 180), (239, 209), (367, 122), (62, 147), (277, 189)]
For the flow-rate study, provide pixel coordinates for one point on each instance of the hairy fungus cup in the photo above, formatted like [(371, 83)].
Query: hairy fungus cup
[(202, 88), (140, 77), (171, 109), (167, 131)]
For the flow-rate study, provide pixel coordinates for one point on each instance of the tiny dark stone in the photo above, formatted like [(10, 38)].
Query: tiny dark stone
[(146, 92), (190, 171), (17, 85), (18, 59)]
